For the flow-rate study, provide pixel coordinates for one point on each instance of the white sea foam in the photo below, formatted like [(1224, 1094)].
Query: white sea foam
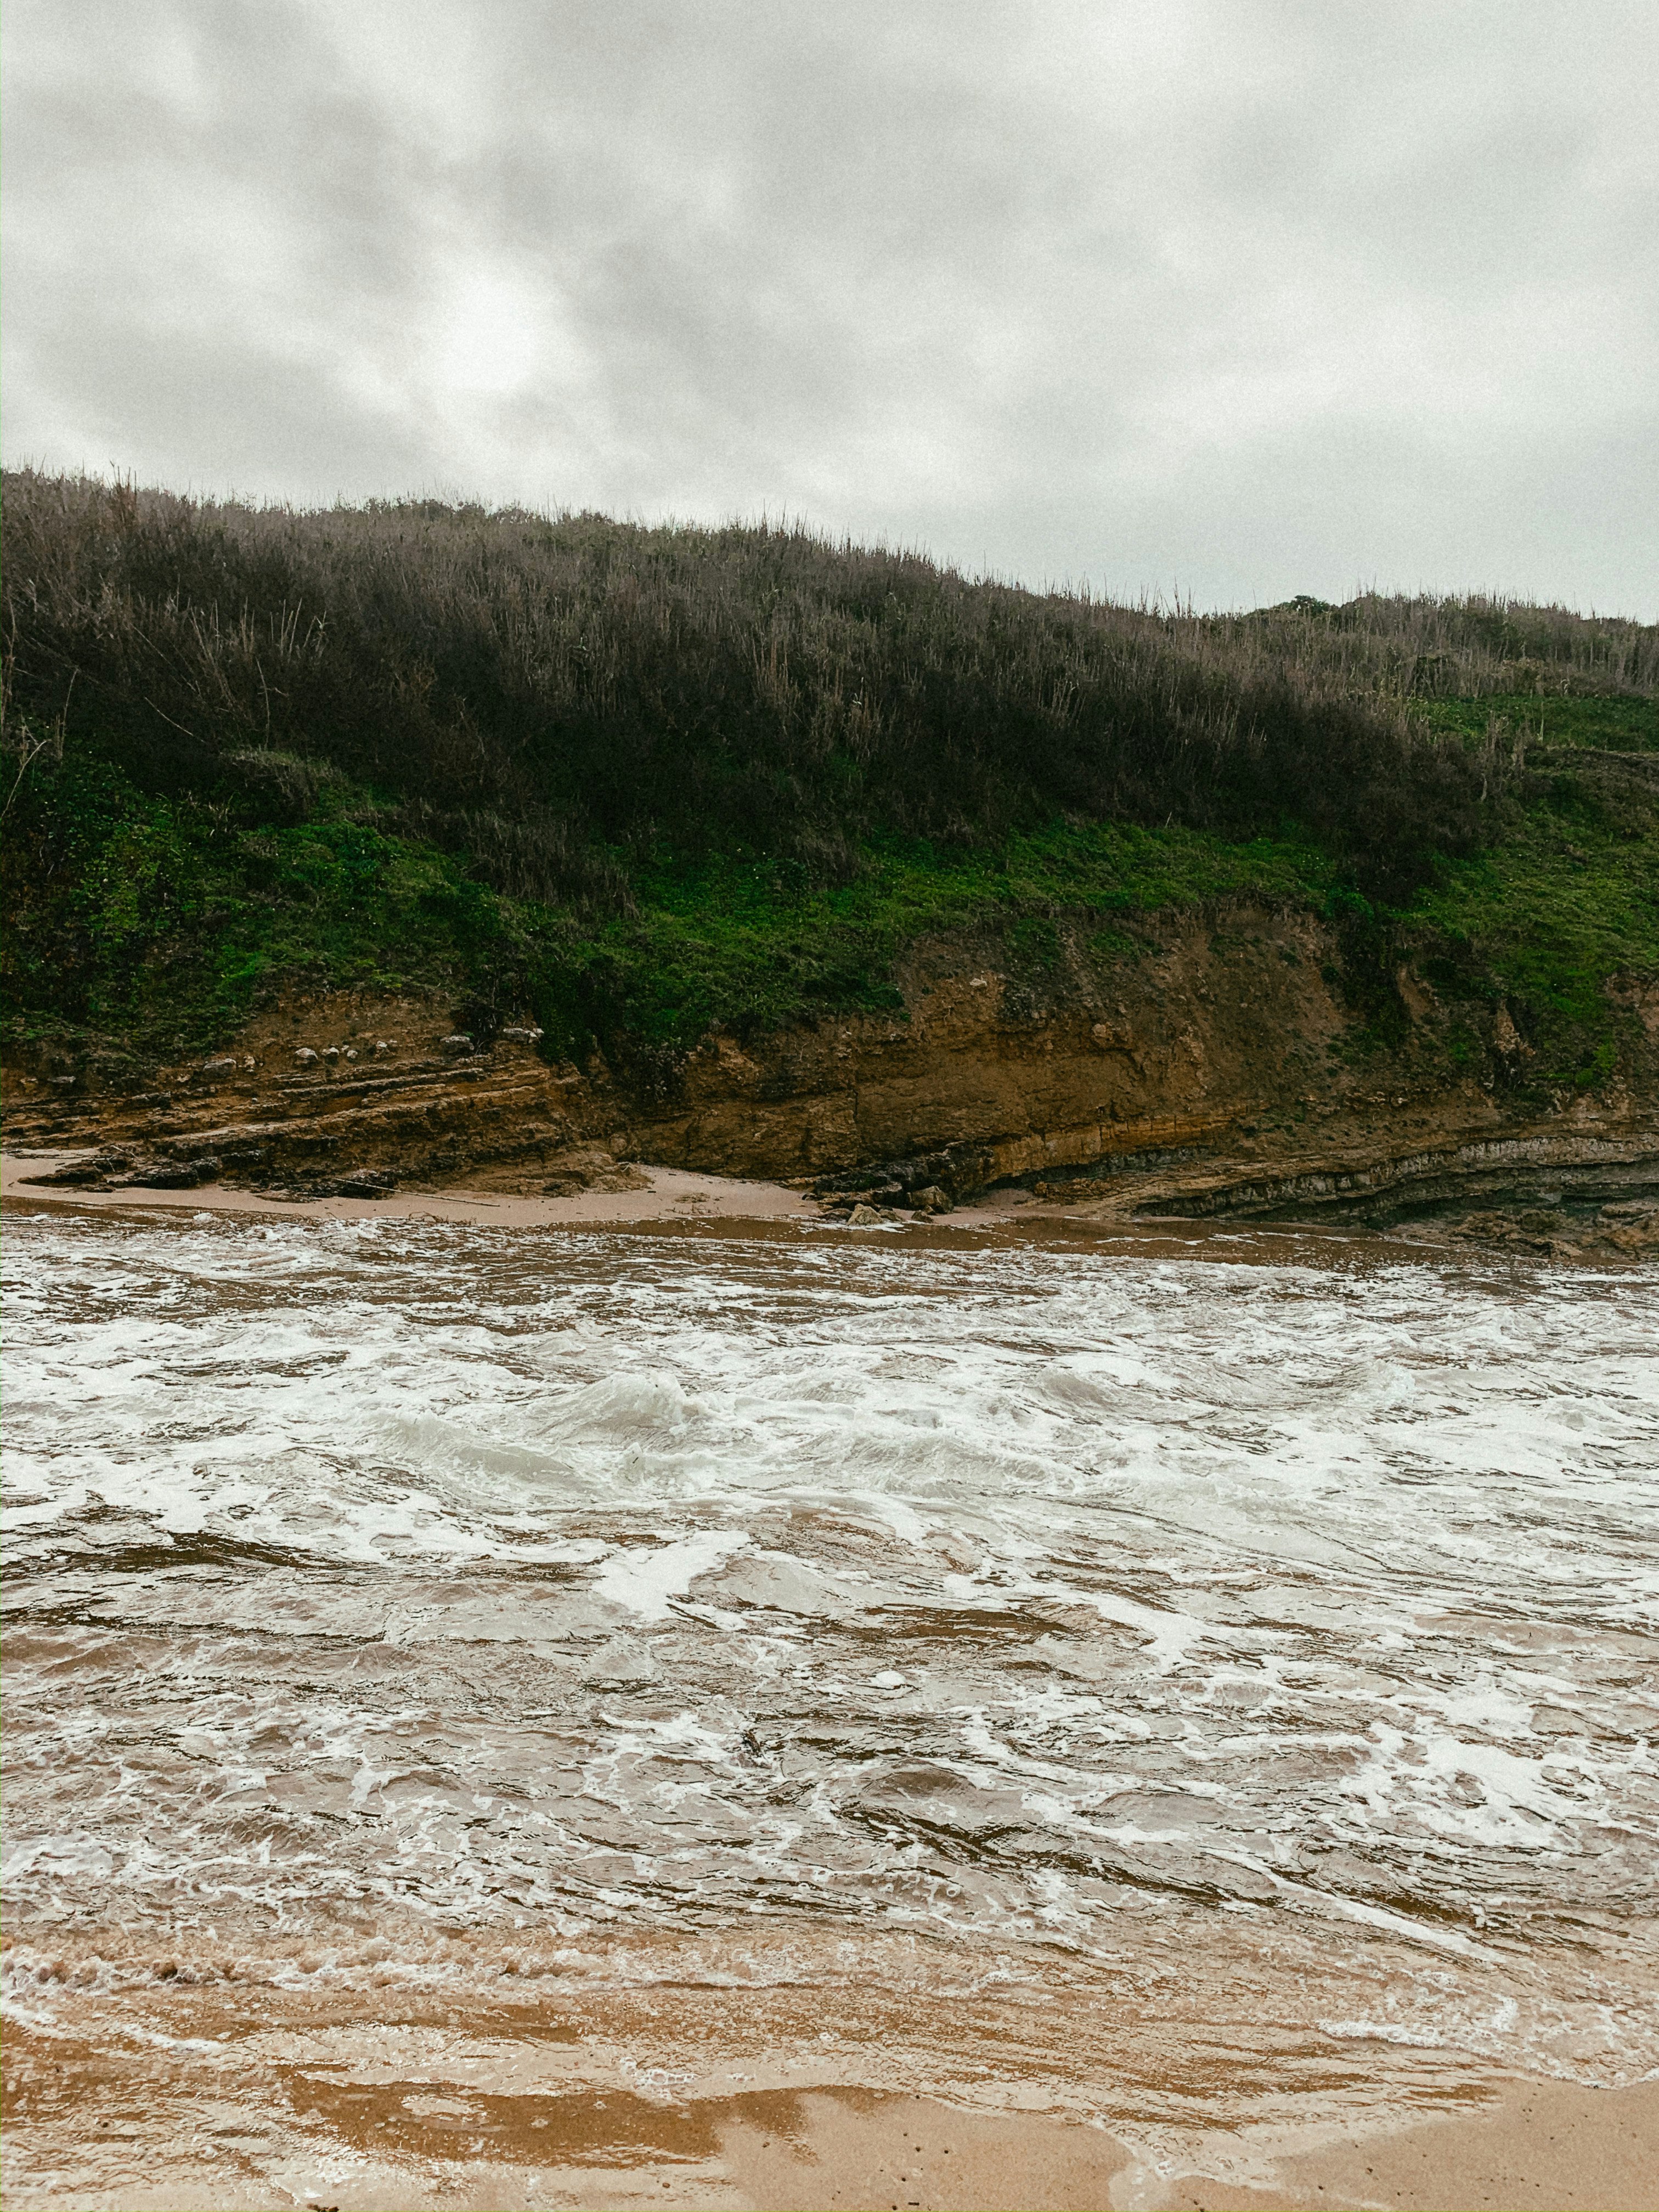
[(1006, 1590)]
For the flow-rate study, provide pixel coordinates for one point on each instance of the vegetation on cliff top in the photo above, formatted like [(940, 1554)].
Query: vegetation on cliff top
[(645, 781)]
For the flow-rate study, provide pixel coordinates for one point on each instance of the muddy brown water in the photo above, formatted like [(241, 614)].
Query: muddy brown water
[(525, 1705)]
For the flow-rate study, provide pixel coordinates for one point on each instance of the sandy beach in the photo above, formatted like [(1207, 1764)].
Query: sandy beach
[(222, 2080), (670, 1194), (208, 2088)]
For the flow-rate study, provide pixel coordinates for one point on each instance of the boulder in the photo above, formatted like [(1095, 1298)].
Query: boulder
[(184, 1175)]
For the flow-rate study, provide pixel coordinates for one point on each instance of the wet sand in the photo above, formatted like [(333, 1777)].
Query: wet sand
[(337, 2111), (782, 2069), (672, 1195), (675, 1200)]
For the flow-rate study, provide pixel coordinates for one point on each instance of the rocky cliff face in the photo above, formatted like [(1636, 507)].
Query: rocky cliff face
[(1215, 1064)]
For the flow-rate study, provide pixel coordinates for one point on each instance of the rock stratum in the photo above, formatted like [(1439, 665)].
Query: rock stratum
[(1219, 1070)]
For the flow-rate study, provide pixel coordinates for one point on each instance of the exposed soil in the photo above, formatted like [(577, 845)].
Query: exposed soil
[(1221, 1068)]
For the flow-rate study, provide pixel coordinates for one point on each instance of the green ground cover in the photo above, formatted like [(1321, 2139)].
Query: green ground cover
[(161, 924), (1569, 898), (1620, 722)]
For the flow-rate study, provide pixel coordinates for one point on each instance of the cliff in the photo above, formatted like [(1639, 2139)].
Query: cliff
[(1209, 1071), (435, 845)]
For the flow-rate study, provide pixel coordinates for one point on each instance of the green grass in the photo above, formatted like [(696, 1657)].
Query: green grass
[(162, 923), (1570, 898), (1611, 721), (738, 945), (159, 925)]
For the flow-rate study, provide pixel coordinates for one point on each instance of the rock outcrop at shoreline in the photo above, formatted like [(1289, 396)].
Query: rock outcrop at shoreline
[(1218, 1069)]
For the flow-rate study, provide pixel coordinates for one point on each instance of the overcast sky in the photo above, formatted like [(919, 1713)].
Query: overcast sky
[(1235, 298)]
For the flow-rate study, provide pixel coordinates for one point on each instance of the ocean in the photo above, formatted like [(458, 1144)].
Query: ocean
[(1173, 1680)]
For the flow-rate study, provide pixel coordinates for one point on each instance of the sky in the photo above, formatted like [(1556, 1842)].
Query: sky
[(1214, 300)]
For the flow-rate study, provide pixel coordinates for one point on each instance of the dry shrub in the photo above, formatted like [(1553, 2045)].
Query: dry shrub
[(561, 696)]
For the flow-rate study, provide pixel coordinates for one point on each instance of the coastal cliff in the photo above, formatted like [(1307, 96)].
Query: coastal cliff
[(421, 845), (1208, 1071)]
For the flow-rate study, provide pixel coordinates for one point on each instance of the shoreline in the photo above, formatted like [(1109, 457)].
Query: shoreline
[(671, 1199), (203, 2100), (678, 1203), (670, 1194)]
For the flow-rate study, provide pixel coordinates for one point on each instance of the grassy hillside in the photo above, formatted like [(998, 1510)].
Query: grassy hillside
[(645, 781)]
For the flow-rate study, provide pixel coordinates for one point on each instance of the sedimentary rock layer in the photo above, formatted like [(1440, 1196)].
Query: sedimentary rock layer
[(1218, 1065)]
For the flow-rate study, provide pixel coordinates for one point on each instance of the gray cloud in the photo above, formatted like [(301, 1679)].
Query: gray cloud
[(1239, 297)]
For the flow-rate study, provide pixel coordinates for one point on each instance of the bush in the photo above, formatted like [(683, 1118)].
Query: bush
[(564, 698)]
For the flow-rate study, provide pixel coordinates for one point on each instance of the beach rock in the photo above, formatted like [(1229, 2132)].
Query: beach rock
[(864, 1217), (1631, 1227), (1238, 1034), (80, 1173), (930, 1200), (184, 1175), (588, 1168), (372, 1182)]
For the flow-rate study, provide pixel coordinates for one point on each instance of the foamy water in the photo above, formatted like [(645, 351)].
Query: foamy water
[(562, 1580)]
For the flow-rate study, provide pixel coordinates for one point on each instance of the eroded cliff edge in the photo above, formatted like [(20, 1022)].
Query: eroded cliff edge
[(446, 844), (1219, 1063)]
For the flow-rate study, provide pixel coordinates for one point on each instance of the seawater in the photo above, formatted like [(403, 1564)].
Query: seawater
[(845, 1585)]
